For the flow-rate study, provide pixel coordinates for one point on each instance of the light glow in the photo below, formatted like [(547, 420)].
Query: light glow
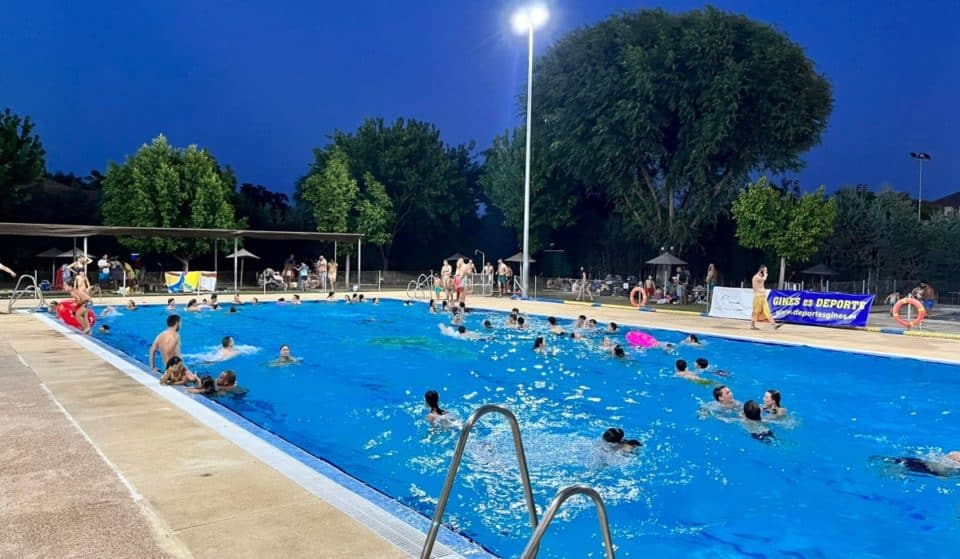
[(531, 17)]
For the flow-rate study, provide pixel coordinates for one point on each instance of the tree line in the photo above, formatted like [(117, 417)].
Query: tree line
[(651, 131)]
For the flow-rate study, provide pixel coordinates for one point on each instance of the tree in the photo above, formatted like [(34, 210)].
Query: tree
[(667, 115), (21, 158), (331, 194), (163, 186), (374, 215), (795, 228), (432, 186), (502, 180)]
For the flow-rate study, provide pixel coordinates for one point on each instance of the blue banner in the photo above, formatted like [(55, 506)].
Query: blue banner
[(820, 309)]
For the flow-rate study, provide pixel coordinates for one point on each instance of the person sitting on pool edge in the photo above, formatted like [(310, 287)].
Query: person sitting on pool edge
[(754, 422), (177, 372), (614, 437), (771, 404), (432, 400)]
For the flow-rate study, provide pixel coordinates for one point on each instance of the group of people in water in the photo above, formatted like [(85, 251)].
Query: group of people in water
[(175, 372), (756, 416)]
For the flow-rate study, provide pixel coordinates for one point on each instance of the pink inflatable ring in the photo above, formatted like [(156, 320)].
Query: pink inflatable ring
[(642, 339)]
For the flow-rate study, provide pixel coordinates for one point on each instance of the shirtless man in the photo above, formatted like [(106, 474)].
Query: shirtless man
[(81, 309), (761, 310), (167, 342), (9, 271), (446, 281), (501, 277)]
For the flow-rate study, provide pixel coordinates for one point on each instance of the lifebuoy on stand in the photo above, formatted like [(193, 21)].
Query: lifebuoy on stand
[(921, 312), (642, 299)]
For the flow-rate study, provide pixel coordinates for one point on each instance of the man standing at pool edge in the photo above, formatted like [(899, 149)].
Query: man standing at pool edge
[(761, 310)]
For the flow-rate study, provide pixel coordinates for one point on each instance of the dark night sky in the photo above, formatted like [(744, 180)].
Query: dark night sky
[(261, 83)]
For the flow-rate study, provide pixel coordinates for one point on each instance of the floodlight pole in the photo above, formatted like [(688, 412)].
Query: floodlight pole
[(525, 271)]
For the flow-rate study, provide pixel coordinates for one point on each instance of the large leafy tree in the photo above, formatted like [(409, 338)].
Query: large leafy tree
[(794, 227), (666, 115), (331, 194), (21, 158), (432, 187), (164, 186), (552, 199)]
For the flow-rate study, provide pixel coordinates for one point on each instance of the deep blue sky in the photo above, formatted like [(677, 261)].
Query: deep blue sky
[(261, 83)]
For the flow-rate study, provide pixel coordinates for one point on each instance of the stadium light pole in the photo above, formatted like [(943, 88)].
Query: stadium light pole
[(921, 157), (525, 21)]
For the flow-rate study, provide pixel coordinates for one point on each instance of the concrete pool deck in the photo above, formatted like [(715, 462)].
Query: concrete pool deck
[(96, 464)]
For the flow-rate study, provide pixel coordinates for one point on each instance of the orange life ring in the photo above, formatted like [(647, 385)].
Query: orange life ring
[(921, 312), (643, 297)]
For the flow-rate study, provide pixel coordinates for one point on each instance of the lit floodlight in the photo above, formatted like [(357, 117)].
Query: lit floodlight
[(533, 16)]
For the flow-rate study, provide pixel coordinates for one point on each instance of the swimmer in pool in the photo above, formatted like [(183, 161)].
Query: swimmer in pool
[(539, 345), (108, 311), (615, 441), (177, 372), (771, 404), (724, 407), (171, 304), (612, 327), (592, 324), (192, 306), (521, 323), (554, 327), (581, 321), (227, 382), (207, 386), (682, 371), (946, 465), (227, 349), (487, 325), (753, 421), (285, 357), (255, 300), (131, 306), (296, 299), (432, 399), (236, 299), (691, 339), (703, 366), (104, 329), (617, 351)]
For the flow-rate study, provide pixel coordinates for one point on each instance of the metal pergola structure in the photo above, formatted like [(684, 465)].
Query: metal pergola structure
[(86, 231)]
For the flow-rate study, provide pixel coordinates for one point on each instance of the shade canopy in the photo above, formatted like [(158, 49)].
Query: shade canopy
[(51, 253), (518, 257), (667, 259), (70, 254), (61, 230), (243, 253), (819, 270)]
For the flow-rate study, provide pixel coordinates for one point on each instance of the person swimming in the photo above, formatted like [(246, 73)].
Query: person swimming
[(754, 422), (682, 372), (618, 351), (232, 309), (131, 306), (227, 349), (171, 304), (703, 366), (612, 327), (206, 386), (615, 439), (192, 306), (285, 358), (691, 339), (432, 399), (104, 329), (227, 382), (771, 404), (554, 327), (539, 345), (947, 465)]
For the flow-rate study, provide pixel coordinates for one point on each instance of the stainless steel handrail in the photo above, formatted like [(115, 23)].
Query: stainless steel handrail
[(16, 294), (530, 552), (455, 465)]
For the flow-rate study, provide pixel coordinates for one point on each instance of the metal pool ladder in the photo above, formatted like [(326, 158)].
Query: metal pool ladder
[(530, 552), (29, 289)]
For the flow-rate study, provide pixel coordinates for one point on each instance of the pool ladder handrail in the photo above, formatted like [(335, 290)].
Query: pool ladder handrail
[(455, 466), (17, 293), (530, 552), (539, 529)]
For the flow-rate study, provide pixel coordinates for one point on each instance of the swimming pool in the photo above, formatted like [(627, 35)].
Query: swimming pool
[(699, 487)]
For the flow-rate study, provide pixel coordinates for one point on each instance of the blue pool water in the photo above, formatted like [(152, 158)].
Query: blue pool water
[(698, 488)]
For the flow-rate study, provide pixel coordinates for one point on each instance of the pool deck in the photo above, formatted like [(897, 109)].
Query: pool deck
[(95, 464)]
